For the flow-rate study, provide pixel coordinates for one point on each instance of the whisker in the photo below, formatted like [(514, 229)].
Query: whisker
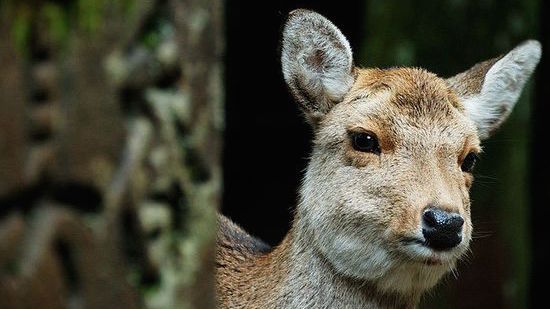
[(454, 271), (486, 177), (481, 236)]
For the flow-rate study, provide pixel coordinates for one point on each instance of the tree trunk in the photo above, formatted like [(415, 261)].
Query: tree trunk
[(111, 118)]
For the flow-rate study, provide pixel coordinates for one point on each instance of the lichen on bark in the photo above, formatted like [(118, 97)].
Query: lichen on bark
[(114, 116)]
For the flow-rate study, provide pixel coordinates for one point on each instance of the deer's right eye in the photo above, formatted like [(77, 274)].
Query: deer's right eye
[(365, 142), (469, 162)]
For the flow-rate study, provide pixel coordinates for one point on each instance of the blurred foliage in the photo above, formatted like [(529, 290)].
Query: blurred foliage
[(59, 18), (447, 37)]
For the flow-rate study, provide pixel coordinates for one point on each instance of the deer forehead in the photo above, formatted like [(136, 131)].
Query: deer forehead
[(403, 106)]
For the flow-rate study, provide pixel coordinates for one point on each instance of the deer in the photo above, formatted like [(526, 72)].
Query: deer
[(384, 207)]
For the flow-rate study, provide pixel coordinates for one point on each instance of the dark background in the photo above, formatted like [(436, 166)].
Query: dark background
[(267, 142), (266, 139)]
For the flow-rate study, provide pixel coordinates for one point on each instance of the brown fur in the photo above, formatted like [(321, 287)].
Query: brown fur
[(248, 277), (253, 279)]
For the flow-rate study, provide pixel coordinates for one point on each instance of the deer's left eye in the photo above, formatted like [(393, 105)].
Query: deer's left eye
[(469, 162)]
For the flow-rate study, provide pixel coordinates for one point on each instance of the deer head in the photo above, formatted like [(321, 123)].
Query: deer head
[(385, 198)]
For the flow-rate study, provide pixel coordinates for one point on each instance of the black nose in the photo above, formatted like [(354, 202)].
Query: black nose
[(442, 230)]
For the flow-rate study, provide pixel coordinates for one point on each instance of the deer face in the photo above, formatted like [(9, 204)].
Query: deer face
[(385, 196)]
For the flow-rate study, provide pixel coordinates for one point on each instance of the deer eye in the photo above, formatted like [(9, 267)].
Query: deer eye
[(469, 162), (365, 142)]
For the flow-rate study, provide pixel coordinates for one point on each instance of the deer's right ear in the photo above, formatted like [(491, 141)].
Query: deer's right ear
[(490, 89), (317, 62)]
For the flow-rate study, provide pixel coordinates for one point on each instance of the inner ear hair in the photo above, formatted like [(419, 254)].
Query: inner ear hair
[(469, 83), (490, 89)]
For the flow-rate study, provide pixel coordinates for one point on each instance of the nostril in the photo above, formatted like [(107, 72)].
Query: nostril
[(430, 218), (455, 222), (435, 218)]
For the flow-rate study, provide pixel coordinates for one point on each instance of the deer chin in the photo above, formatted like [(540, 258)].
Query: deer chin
[(412, 278), (419, 268)]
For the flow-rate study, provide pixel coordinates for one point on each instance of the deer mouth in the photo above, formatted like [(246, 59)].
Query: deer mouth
[(413, 240), (420, 251)]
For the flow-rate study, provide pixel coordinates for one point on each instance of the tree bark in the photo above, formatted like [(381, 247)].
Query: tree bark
[(111, 119)]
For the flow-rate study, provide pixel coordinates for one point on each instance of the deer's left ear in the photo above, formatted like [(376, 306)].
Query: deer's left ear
[(490, 89)]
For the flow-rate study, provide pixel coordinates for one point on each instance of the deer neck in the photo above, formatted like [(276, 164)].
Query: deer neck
[(305, 279)]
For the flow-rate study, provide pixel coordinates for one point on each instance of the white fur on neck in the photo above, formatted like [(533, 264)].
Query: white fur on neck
[(311, 282)]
